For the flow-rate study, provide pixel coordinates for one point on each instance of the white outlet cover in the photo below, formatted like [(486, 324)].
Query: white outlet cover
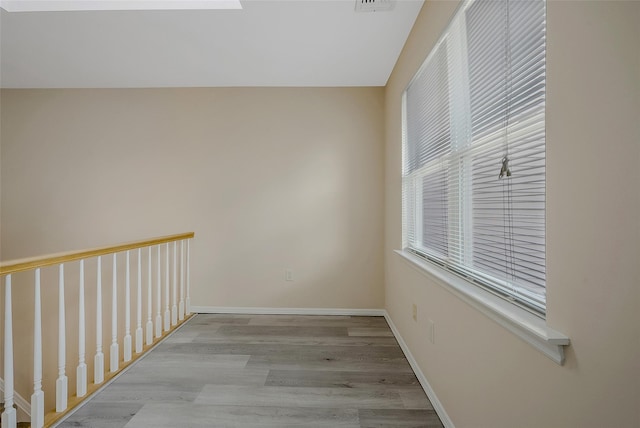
[(288, 275)]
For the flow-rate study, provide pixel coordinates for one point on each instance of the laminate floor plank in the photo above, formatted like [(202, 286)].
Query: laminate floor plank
[(214, 338), (103, 415), (204, 319), (161, 360), (186, 337), (267, 371), (187, 415), (289, 352), (394, 418), (337, 379), (281, 330), (144, 393), (170, 377), (274, 396), (380, 365), (341, 321), (414, 398), (206, 328), (369, 331)]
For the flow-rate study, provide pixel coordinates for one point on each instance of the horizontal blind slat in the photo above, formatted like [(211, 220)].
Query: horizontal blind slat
[(462, 118)]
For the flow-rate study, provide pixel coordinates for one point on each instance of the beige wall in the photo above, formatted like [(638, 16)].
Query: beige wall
[(483, 375), (276, 178), (268, 178)]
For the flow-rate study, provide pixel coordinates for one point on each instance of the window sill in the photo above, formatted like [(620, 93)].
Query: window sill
[(520, 322)]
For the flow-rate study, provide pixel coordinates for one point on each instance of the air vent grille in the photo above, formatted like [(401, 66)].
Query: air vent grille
[(374, 5)]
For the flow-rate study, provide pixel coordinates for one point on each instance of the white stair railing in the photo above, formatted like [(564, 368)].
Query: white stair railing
[(64, 398)]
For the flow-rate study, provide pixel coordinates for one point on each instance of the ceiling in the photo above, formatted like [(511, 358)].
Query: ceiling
[(267, 43)]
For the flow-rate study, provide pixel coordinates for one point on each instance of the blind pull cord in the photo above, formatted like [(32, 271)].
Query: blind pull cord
[(505, 171)]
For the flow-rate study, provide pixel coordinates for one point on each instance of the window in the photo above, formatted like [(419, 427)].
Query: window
[(474, 150)]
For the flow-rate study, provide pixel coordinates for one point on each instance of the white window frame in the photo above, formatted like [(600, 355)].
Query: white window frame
[(520, 319)]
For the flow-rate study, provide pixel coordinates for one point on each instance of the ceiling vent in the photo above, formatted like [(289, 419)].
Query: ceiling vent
[(374, 5)]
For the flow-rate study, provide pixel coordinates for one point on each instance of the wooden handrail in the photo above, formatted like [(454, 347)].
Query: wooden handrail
[(21, 265)]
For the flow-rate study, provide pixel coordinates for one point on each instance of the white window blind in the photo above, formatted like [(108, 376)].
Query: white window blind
[(474, 150)]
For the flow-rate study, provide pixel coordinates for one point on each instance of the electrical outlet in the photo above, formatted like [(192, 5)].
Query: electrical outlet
[(288, 275), (431, 331), (414, 312)]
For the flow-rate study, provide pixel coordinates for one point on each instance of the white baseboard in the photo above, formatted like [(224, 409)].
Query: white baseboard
[(444, 417), (287, 311), (19, 401)]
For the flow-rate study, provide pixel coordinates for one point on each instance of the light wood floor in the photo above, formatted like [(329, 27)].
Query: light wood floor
[(267, 371)]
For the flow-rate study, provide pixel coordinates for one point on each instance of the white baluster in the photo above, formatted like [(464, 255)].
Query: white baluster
[(159, 298), (167, 313), (9, 414), (149, 327), (174, 308), (188, 303), (181, 303), (61, 382), (114, 351), (98, 360), (81, 371), (127, 312), (37, 398), (139, 306)]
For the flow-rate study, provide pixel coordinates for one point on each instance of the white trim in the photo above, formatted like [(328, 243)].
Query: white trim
[(18, 400), (527, 326), (287, 311), (437, 405)]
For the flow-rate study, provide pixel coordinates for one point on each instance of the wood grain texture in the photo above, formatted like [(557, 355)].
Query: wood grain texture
[(175, 415), (267, 371), (21, 265), (398, 418)]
